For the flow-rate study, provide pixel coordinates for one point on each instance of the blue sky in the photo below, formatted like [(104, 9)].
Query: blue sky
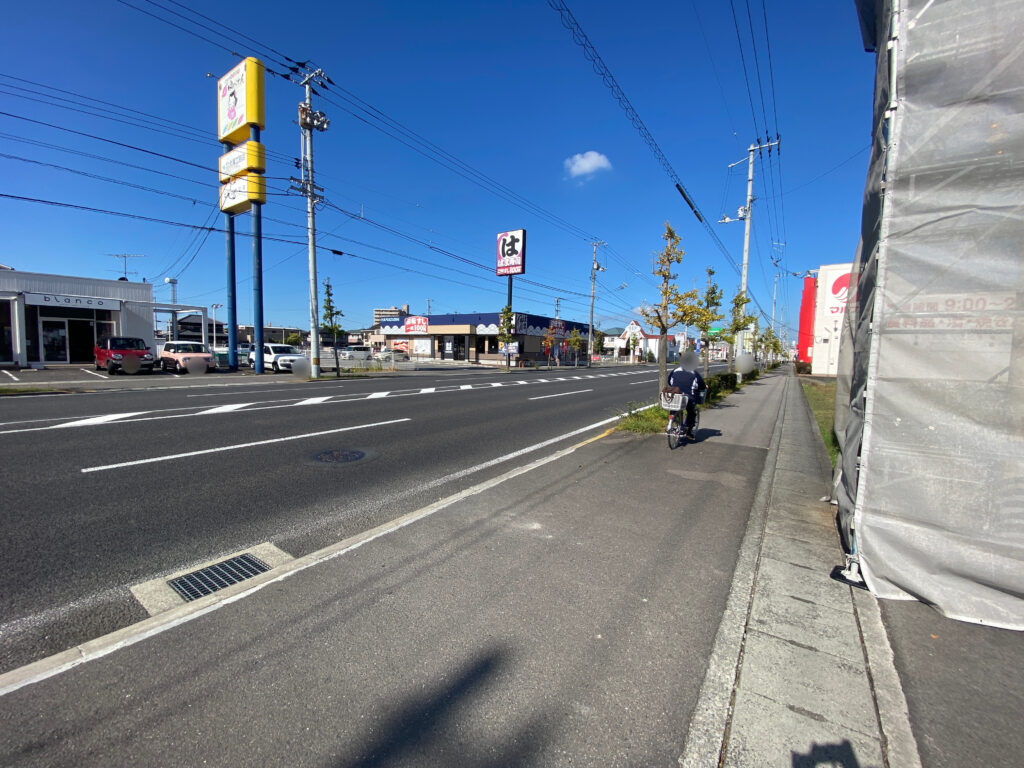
[(499, 85)]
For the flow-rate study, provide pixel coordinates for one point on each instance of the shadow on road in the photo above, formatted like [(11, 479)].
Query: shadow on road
[(429, 729)]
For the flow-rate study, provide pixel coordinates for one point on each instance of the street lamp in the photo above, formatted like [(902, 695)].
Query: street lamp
[(213, 309), (173, 282)]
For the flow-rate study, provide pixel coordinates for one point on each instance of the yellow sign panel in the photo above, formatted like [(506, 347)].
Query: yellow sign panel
[(240, 101), (250, 156), (238, 195)]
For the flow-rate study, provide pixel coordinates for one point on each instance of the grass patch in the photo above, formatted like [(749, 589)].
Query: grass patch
[(29, 391), (821, 396), (647, 422)]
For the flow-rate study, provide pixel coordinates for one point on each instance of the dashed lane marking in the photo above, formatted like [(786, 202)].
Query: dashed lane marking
[(98, 420), (219, 449), (562, 394), (224, 408), (314, 400)]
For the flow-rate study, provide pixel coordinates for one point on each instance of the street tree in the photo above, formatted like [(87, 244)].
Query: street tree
[(674, 307), (548, 341), (506, 332), (294, 340), (739, 321), (575, 343), (329, 324), (598, 342), (707, 314)]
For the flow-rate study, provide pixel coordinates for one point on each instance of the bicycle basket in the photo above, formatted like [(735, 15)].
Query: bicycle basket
[(672, 402)]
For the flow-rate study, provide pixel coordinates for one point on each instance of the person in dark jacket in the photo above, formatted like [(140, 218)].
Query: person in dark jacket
[(690, 384)]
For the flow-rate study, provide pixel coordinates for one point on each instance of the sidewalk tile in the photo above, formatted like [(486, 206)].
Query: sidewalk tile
[(811, 681), (767, 734)]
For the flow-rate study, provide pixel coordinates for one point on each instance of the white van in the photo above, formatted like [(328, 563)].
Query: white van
[(354, 353)]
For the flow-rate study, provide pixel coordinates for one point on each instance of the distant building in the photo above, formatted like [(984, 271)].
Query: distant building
[(822, 306), (272, 334), (389, 313)]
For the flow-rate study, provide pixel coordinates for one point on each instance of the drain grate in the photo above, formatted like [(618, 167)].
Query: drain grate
[(215, 577), (336, 456)]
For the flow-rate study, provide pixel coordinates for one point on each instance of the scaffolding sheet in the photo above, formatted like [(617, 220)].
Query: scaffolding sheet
[(931, 386)]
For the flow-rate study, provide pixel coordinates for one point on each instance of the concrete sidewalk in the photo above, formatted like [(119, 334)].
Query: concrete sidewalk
[(802, 673)]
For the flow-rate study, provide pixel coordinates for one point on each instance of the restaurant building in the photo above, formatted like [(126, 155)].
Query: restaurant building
[(473, 337)]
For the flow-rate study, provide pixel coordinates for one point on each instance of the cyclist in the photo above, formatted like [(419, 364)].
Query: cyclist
[(691, 384)]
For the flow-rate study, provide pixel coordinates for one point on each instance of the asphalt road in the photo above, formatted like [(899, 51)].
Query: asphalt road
[(103, 491), (561, 617)]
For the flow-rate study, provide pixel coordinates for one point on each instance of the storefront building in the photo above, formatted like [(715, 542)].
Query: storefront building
[(474, 337), (53, 319), (822, 307)]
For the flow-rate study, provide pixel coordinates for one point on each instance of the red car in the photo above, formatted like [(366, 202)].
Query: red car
[(111, 351)]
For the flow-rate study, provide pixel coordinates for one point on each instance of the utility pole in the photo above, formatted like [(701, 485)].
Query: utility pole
[(594, 269), (310, 120), (428, 307), (775, 292), (214, 308), (746, 214), (557, 300)]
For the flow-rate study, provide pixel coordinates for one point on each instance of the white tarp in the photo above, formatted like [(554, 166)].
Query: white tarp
[(931, 372)]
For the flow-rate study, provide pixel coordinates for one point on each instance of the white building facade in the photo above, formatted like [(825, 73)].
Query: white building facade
[(57, 319)]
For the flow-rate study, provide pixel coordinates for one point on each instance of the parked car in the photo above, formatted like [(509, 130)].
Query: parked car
[(392, 355), (175, 356), (280, 357), (354, 353), (110, 352)]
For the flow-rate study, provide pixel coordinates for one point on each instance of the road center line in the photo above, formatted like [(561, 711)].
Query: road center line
[(173, 456), (645, 381), (561, 394)]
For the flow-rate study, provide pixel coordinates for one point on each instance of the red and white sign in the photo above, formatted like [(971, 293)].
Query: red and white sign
[(416, 324), (511, 256), (401, 346)]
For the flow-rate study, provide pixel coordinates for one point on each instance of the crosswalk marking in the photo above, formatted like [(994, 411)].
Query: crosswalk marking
[(427, 390), (375, 395)]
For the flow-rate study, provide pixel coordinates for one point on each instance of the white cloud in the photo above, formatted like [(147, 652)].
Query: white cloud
[(586, 164)]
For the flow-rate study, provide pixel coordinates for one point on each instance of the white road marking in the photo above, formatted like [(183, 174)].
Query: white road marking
[(312, 401), (62, 662), (224, 408), (465, 386), (561, 394), (97, 420), (375, 395), (93, 373), (236, 447), (427, 390), (645, 381), (13, 376)]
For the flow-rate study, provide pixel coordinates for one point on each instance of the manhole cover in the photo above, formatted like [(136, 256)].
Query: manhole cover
[(336, 456)]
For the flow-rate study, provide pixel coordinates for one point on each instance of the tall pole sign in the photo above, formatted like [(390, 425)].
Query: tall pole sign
[(511, 257), (241, 114)]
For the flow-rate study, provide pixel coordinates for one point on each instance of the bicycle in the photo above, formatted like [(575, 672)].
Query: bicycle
[(675, 404)]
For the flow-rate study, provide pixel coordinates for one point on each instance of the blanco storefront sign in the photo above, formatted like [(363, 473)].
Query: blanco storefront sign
[(79, 302)]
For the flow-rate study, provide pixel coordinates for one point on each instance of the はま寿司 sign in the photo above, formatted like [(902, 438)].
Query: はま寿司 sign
[(511, 252)]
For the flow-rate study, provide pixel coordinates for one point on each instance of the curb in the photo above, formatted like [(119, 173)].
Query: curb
[(708, 731)]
